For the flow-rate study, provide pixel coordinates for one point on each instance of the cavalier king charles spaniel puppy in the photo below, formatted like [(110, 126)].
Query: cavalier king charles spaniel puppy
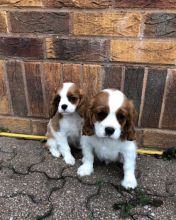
[(109, 129), (64, 127)]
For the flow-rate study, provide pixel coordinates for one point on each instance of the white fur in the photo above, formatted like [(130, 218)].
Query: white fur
[(108, 148), (70, 129)]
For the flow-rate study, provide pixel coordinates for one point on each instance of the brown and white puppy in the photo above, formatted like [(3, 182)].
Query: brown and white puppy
[(64, 127), (109, 129)]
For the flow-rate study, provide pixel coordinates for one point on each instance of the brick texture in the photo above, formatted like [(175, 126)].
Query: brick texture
[(17, 125), (72, 73), (39, 127), (159, 138), (21, 47), (169, 115), (112, 77), (145, 51), (30, 3), (161, 4), (134, 84), (52, 79), (39, 22), (77, 49), (106, 24), (34, 88), (97, 44), (95, 4), (4, 104), (153, 97), (3, 22), (160, 25), (91, 79), (16, 87)]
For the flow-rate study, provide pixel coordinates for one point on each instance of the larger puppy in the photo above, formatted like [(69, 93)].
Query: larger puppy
[(109, 130), (64, 127)]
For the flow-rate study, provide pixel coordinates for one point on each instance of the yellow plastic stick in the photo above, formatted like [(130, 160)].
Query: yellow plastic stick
[(26, 136), (142, 151), (36, 137)]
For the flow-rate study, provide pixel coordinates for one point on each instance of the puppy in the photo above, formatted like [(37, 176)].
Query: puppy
[(64, 127), (109, 129)]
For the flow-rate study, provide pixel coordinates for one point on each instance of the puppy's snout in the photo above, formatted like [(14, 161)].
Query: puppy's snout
[(109, 131), (64, 107)]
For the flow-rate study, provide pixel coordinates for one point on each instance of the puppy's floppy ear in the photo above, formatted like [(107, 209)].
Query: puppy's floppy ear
[(88, 127), (54, 105), (81, 104), (128, 132)]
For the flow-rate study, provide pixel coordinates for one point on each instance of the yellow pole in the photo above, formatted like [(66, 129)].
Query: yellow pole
[(36, 137), (26, 136)]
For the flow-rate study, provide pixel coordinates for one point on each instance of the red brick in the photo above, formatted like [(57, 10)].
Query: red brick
[(34, 88), (112, 77), (16, 87), (21, 47), (39, 127), (40, 22), (146, 4), (139, 137), (144, 51), (77, 49), (160, 25), (92, 79), (133, 84), (4, 103), (106, 24), (3, 22), (159, 138), (78, 3), (22, 3), (52, 80), (153, 97), (72, 73), (16, 125), (169, 114)]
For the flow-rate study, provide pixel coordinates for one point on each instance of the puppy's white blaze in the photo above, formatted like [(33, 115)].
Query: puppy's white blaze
[(64, 100), (116, 99), (66, 87)]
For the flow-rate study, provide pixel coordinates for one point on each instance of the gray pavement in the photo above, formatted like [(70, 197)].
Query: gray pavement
[(34, 185)]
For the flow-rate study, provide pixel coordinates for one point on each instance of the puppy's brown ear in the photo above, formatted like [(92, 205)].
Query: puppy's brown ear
[(88, 127), (81, 104), (129, 132), (54, 105)]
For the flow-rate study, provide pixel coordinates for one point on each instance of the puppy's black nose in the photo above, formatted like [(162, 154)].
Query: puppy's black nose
[(64, 106), (109, 131)]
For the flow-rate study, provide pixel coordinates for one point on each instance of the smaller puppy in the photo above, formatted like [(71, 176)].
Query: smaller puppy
[(109, 129), (64, 127)]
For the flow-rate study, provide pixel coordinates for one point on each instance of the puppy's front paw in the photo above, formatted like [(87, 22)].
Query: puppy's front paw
[(69, 160), (129, 183), (84, 170), (54, 152)]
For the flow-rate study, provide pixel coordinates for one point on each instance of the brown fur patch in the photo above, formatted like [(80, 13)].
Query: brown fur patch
[(98, 103), (81, 99), (126, 116)]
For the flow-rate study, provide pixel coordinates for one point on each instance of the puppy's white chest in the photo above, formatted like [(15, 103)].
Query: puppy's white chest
[(107, 150), (70, 125)]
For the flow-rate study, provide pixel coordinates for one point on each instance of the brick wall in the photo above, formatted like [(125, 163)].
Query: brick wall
[(124, 44)]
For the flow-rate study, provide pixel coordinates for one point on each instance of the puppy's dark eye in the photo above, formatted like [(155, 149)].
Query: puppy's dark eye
[(101, 115), (121, 117), (72, 99), (56, 99)]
